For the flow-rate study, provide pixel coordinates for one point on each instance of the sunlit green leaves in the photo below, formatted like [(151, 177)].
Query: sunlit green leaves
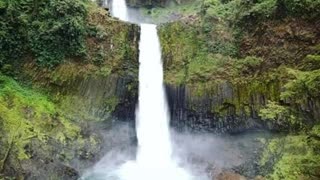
[(304, 84), (291, 157)]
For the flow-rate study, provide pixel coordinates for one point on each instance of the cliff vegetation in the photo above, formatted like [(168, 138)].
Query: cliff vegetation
[(65, 67), (243, 63)]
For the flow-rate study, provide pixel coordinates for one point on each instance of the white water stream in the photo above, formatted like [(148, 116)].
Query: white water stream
[(154, 156), (119, 9), (154, 161)]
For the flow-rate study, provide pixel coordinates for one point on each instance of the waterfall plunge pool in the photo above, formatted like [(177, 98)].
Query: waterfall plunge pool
[(204, 155)]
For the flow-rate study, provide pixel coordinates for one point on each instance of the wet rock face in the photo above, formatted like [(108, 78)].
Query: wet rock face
[(210, 112), (107, 97), (228, 108)]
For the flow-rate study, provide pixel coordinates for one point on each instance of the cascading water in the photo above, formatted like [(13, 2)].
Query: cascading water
[(152, 116), (154, 159), (154, 156), (119, 9)]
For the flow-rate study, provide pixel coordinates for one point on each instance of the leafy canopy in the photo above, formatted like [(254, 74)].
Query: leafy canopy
[(49, 30)]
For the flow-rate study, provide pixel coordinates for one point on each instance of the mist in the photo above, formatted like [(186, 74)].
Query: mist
[(204, 155)]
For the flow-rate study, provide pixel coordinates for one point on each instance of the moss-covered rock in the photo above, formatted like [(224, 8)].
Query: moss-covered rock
[(37, 133), (240, 65), (221, 70), (105, 81), (52, 130)]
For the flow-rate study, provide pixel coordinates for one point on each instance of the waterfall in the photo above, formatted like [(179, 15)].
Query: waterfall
[(154, 159), (154, 155), (152, 116), (119, 9)]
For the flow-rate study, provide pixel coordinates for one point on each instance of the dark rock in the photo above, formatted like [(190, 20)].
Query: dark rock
[(195, 113), (69, 172)]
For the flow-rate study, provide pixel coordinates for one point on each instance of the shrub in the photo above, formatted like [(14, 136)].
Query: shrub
[(248, 64), (282, 115), (303, 8), (58, 31), (292, 157), (50, 30), (13, 31), (303, 85)]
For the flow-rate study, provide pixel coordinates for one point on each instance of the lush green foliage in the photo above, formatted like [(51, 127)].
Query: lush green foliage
[(48, 30), (187, 49), (254, 11), (293, 157), (29, 117), (283, 116), (305, 81), (52, 32), (304, 85), (257, 49), (58, 31), (248, 65), (237, 11), (304, 8)]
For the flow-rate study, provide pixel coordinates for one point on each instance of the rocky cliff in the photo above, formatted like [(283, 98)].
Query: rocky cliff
[(53, 112), (236, 65), (224, 73)]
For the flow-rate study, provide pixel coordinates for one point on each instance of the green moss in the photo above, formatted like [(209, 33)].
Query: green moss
[(187, 57), (111, 103), (179, 46), (29, 117), (77, 107)]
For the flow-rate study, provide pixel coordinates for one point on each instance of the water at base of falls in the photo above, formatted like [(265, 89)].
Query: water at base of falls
[(136, 171)]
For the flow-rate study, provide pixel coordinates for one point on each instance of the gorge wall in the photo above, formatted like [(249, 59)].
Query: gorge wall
[(232, 66), (229, 73)]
